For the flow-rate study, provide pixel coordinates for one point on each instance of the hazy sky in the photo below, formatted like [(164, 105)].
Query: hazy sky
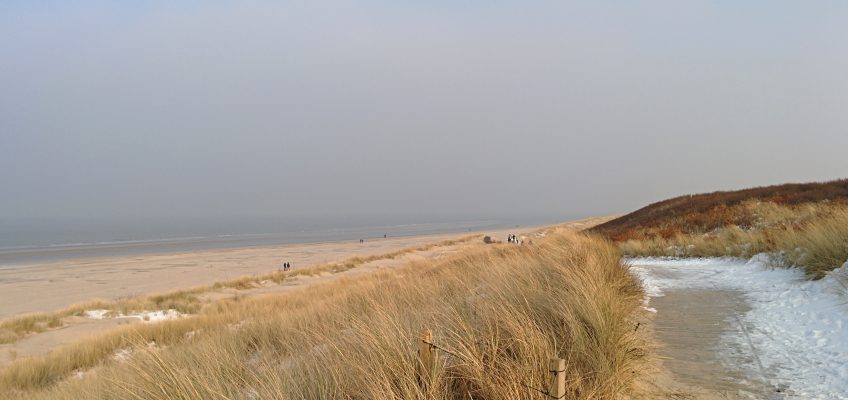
[(411, 107)]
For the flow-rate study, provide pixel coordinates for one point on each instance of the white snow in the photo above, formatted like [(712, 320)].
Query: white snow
[(154, 316), (798, 327), (96, 314), (145, 316)]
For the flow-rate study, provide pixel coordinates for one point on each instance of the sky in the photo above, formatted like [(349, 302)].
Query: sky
[(437, 108)]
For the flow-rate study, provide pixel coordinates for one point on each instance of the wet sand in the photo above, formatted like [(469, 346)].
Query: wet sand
[(688, 325)]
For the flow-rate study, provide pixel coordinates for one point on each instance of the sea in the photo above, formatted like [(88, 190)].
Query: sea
[(32, 241)]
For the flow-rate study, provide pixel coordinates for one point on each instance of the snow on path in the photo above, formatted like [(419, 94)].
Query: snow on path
[(798, 327)]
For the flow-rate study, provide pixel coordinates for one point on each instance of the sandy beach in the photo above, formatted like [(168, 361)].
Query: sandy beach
[(55, 285)]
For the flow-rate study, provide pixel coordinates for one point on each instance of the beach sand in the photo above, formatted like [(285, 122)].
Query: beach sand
[(56, 285)]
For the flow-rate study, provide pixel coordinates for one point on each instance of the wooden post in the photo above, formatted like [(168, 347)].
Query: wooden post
[(426, 358), (557, 368)]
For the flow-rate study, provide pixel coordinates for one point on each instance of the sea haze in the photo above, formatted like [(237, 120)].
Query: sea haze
[(27, 241)]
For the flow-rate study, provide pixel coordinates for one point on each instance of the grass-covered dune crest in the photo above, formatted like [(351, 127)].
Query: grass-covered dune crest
[(500, 312), (803, 225)]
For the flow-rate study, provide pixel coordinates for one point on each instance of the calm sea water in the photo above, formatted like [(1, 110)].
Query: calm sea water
[(31, 241)]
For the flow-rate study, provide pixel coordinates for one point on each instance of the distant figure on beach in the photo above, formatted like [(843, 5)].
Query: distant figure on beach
[(384, 236)]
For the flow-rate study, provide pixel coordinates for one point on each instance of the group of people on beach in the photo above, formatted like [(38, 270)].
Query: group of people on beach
[(286, 266), (511, 238)]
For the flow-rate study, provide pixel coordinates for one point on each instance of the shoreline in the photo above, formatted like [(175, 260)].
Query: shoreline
[(29, 256), (97, 247)]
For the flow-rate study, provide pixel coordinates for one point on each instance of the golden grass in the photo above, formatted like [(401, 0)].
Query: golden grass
[(502, 310), (819, 246), (811, 236)]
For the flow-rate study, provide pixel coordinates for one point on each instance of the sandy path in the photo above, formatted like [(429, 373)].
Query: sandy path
[(692, 324), (689, 324)]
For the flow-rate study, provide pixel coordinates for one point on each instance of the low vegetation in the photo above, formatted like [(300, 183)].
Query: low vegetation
[(804, 225), (499, 312)]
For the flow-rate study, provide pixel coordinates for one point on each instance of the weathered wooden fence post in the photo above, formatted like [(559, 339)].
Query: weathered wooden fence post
[(557, 388), (426, 358)]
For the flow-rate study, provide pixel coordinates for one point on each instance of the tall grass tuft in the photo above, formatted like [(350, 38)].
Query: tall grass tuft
[(818, 247)]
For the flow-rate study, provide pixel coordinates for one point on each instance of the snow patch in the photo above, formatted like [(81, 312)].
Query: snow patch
[(798, 327), (97, 314), (145, 316), (155, 316)]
